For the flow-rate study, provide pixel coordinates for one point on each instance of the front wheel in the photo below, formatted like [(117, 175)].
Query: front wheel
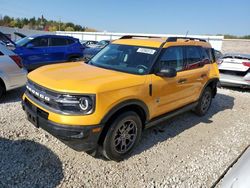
[(122, 137), (204, 102)]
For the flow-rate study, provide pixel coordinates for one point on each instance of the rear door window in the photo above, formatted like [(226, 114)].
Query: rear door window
[(58, 42), (193, 54), (193, 57), (172, 57), (70, 41)]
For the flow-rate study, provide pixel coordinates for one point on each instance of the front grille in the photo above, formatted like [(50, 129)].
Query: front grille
[(44, 96)]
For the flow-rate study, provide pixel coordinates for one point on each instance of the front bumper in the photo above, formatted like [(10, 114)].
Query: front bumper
[(79, 138)]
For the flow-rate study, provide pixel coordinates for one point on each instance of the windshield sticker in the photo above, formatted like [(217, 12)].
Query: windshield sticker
[(146, 51)]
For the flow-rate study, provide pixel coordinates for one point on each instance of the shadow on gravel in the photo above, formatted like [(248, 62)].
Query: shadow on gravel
[(13, 95), (178, 124), (25, 163)]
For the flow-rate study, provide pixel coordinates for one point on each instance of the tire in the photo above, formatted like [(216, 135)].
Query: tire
[(204, 102), (117, 145), (2, 92), (73, 59)]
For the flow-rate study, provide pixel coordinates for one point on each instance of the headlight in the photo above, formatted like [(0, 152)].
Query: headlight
[(76, 104)]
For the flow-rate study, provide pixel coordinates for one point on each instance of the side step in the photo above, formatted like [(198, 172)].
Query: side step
[(169, 115)]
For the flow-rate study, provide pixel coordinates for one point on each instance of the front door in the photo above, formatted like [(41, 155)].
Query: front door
[(34, 53)]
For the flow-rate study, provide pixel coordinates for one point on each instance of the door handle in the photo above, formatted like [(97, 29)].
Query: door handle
[(182, 81)]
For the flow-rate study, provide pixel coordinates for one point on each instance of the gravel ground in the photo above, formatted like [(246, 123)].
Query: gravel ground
[(186, 151)]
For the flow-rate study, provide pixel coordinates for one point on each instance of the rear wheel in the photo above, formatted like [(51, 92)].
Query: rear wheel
[(122, 137), (2, 91), (204, 102)]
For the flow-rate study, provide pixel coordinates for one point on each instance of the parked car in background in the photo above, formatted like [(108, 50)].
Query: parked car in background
[(87, 43), (39, 50), (93, 49), (12, 73), (238, 175), (235, 70)]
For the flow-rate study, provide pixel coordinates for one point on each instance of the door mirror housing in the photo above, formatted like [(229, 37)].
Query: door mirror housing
[(30, 45), (167, 72)]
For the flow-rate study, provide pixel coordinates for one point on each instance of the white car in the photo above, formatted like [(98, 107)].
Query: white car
[(12, 73), (235, 70)]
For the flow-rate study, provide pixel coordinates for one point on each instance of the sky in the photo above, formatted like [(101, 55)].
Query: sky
[(141, 16)]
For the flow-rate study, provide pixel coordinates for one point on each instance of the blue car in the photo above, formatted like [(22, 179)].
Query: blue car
[(39, 50)]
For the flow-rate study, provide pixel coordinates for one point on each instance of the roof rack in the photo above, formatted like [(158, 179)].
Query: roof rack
[(174, 39), (136, 36)]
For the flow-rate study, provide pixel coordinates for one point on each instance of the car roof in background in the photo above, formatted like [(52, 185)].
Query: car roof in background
[(51, 35), (247, 56)]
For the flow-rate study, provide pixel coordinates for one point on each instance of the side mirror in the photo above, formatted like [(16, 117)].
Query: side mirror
[(167, 72), (30, 45)]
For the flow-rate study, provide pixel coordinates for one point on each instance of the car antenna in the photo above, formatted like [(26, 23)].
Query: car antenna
[(187, 33)]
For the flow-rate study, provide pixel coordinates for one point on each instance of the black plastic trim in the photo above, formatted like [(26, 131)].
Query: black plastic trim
[(79, 138), (164, 117), (123, 105)]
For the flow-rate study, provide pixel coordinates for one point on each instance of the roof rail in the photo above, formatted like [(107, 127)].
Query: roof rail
[(136, 36), (174, 39)]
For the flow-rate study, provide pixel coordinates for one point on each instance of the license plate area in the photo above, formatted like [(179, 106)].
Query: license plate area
[(31, 111), (32, 118)]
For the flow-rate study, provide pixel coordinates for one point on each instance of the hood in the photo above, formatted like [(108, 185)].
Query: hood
[(79, 77)]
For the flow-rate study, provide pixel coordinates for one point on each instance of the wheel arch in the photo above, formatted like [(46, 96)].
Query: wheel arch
[(135, 105), (213, 84), (2, 83)]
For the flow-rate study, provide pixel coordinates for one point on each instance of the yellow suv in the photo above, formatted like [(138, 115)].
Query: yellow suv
[(132, 84)]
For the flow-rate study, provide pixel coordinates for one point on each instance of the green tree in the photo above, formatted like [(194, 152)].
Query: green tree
[(69, 29)]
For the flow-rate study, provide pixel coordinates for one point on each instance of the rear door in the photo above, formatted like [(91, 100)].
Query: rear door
[(57, 49), (197, 67)]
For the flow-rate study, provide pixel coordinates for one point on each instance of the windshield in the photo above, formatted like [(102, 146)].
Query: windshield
[(124, 58), (24, 41)]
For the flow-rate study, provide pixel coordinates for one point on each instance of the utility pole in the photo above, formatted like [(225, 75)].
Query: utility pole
[(59, 24)]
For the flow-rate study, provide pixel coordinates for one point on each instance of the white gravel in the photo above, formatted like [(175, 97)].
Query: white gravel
[(186, 151)]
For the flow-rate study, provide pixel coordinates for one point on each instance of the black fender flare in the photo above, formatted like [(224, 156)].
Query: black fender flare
[(214, 89), (124, 104)]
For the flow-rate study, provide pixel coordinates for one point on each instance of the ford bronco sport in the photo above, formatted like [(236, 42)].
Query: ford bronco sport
[(132, 84)]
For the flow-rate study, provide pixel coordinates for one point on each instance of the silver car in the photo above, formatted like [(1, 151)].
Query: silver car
[(12, 73), (235, 70)]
